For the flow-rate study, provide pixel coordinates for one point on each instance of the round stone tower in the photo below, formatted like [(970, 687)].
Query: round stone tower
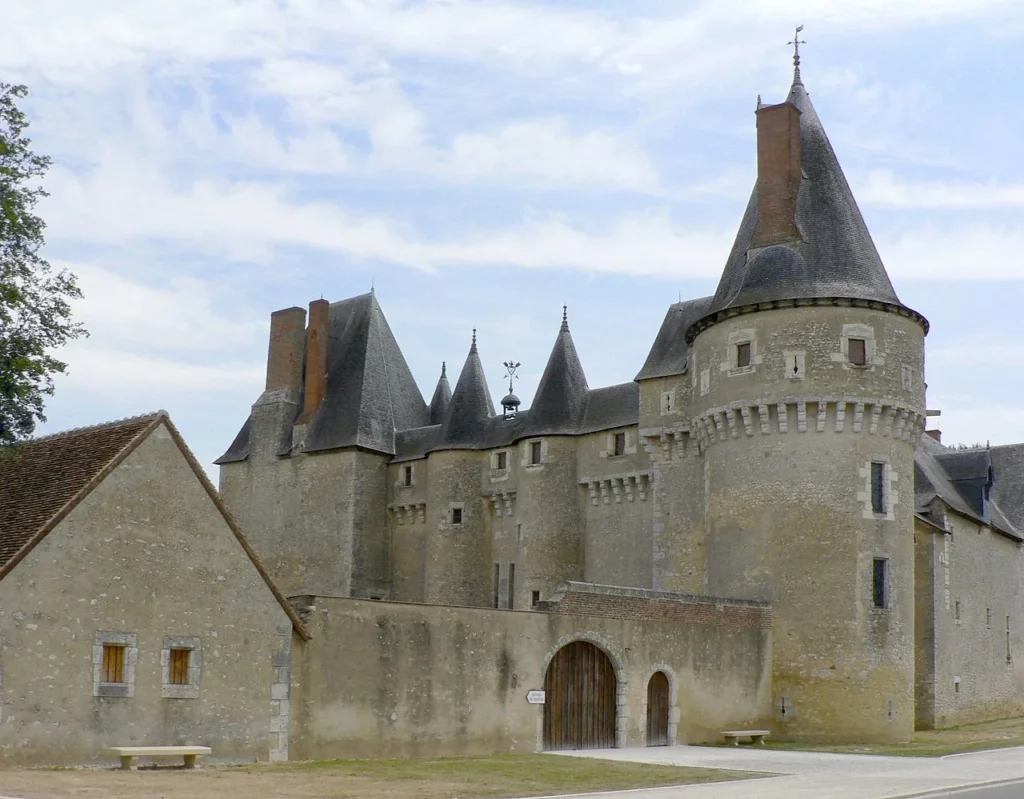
[(808, 402)]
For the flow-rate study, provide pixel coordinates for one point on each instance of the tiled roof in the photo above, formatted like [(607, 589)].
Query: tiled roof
[(44, 475), (471, 407), (47, 477), (670, 353), (557, 406), (439, 402)]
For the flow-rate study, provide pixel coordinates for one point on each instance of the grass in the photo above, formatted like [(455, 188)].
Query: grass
[(519, 775), (930, 743)]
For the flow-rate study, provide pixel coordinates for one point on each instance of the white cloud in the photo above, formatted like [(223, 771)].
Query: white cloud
[(974, 252), (180, 316), (884, 188)]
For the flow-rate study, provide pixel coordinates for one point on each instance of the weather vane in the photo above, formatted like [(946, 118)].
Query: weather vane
[(797, 41), (510, 373)]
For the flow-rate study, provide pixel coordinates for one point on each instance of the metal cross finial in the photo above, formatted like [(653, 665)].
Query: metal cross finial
[(510, 372), (797, 41)]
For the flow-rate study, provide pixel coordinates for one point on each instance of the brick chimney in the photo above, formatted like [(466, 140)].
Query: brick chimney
[(778, 174), (316, 358), (936, 434), (284, 355)]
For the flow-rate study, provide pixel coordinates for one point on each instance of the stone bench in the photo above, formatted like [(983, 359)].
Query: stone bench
[(190, 753), (755, 736)]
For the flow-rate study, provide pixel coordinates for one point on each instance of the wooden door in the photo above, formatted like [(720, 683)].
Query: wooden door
[(657, 710), (579, 705)]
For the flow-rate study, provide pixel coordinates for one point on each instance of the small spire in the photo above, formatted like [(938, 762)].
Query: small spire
[(444, 369), (472, 347), (759, 103), (797, 41), (565, 318)]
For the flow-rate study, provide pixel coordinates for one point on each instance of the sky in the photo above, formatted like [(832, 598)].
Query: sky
[(480, 164)]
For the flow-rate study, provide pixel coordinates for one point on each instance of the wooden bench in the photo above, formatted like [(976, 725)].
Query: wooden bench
[(190, 753), (755, 736)]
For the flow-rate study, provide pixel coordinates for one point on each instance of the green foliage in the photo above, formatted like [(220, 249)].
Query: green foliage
[(35, 311)]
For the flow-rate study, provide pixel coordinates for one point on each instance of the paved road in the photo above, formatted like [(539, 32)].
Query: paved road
[(1014, 790), (823, 775)]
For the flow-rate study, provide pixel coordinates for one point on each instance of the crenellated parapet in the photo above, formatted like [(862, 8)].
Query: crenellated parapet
[(618, 487), (884, 416)]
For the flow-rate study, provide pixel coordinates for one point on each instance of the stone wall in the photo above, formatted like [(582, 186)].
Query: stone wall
[(395, 680), (968, 670), (146, 560)]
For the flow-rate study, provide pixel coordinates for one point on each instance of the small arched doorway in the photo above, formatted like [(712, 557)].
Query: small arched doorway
[(657, 710), (579, 702)]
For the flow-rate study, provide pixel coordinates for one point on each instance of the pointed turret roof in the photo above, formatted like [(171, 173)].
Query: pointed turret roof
[(465, 425), (558, 404), (370, 391), (442, 397), (835, 257)]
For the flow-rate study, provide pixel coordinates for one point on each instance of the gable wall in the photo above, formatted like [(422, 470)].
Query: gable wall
[(147, 553)]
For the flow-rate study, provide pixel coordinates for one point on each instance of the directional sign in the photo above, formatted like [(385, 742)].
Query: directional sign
[(535, 697)]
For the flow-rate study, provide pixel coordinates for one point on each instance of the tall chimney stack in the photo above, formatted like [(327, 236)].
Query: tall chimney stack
[(316, 358), (284, 355), (778, 174)]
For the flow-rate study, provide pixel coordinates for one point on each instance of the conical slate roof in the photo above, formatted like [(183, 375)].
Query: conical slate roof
[(835, 258), (558, 404), (465, 425), (442, 397)]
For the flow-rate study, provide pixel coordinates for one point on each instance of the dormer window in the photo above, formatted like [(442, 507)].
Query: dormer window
[(743, 355), (858, 351)]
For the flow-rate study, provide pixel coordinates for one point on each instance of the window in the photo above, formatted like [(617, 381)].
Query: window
[(179, 667), (956, 611), (497, 584), (535, 452), (666, 402), (456, 515), (113, 663), (534, 598), (620, 444), (1009, 657), (407, 476), (743, 354), (878, 487), (858, 351), (501, 461), (878, 582), (181, 661), (511, 585)]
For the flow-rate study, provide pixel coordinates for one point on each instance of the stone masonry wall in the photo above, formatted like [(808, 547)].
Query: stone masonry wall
[(147, 561)]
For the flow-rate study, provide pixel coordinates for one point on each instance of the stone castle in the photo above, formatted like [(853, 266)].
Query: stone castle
[(771, 448)]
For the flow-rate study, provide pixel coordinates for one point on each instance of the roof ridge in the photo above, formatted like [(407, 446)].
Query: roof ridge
[(151, 416)]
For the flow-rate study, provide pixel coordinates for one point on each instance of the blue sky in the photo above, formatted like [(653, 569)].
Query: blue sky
[(482, 163)]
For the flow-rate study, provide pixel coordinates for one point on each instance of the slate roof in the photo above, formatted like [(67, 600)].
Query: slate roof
[(46, 478), (370, 391), (670, 353), (836, 259), (441, 400), (465, 424), (562, 391), (968, 482)]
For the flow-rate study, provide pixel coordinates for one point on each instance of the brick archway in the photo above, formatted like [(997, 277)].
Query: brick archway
[(581, 695)]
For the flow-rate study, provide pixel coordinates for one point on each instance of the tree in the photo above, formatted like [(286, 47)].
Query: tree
[(35, 310)]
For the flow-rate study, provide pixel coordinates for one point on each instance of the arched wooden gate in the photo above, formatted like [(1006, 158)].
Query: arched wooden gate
[(579, 704), (657, 710)]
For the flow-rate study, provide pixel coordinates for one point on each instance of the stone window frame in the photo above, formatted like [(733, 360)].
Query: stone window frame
[(747, 335), (407, 469), (872, 355), (797, 359), (194, 644), (668, 403), (526, 461), (628, 448), (886, 583), (891, 497), (705, 382), (495, 456), (450, 516), (130, 642)]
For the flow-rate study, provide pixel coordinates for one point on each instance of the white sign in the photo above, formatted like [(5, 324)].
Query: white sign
[(535, 697)]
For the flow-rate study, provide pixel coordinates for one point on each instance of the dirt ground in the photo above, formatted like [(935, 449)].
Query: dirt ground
[(440, 778)]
